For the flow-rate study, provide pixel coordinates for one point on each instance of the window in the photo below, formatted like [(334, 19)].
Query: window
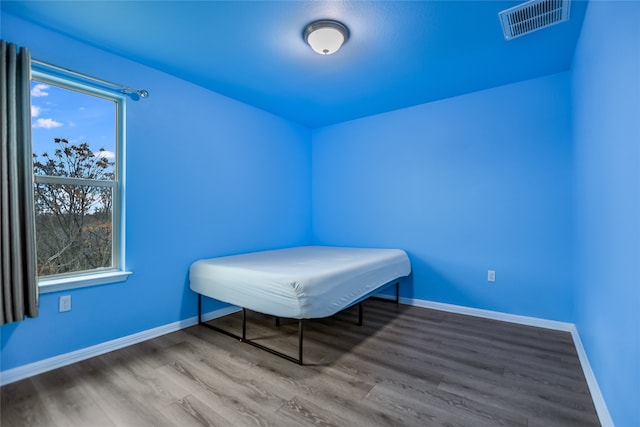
[(77, 143)]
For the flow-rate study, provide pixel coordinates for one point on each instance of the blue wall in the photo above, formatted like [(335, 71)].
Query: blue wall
[(477, 182), (206, 176), (606, 98)]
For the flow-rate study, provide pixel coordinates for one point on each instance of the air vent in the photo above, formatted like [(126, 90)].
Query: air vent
[(532, 16)]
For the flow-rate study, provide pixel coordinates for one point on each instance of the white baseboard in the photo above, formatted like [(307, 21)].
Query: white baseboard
[(26, 371), (21, 372), (594, 389), (488, 314)]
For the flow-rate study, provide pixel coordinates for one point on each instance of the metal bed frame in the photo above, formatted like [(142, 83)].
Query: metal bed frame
[(243, 337)]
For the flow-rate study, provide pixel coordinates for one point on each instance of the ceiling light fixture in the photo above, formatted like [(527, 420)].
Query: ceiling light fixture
[(326, 36)]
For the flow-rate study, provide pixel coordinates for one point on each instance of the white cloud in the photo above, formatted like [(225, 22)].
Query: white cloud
[(105, 153), (47, 124), (35, 111), (39, 90)]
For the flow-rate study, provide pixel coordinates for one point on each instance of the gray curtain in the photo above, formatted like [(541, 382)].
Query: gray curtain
[(18, 283)]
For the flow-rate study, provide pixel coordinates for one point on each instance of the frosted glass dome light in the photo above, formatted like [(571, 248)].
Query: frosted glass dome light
[(326, 37)]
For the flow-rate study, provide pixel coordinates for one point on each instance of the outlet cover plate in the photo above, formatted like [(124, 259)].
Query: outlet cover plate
[(491, 275), (64, 303)]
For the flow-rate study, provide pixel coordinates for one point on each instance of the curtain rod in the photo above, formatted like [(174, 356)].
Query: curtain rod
[(125, 89)]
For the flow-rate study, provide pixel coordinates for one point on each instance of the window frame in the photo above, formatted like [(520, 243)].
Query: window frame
[(116, 273)]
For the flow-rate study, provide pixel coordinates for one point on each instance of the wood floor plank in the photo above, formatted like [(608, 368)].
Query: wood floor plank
[(406, 366), (299, 411), (339, 393), (21, 405), (240, 404), (138, 377), (74, 408), (116, 397), (191, 411), (430, 406)]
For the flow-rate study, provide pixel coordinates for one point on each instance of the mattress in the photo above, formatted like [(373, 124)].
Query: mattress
[(301, 283)]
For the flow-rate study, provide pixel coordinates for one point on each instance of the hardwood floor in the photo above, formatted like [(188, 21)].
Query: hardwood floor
[(406, 366)]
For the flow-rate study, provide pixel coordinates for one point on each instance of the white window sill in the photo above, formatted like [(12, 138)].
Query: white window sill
[(81, 281)]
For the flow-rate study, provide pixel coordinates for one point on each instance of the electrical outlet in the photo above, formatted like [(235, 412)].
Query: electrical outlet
[(491, 275), (64, 303)]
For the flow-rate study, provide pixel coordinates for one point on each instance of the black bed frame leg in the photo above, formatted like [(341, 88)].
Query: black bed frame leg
[(199, 309), (300, 327), (277, 322), (397, 292), (244, 324)]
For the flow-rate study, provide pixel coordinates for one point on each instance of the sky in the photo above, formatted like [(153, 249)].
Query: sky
[(57, 112)]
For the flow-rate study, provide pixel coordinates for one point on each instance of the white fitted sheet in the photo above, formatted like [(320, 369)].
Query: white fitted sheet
[(301, 283)]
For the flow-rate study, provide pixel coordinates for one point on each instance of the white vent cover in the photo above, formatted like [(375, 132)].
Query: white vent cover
[(532, 16)]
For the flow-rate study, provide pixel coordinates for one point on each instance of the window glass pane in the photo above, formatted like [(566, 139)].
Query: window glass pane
[(73, 228), (75, 142), (73, 133)]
